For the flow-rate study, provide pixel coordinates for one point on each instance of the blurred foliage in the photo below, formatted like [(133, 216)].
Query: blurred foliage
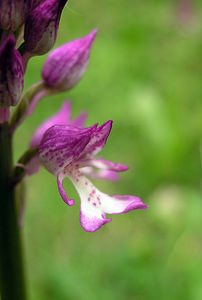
[(145, 74)]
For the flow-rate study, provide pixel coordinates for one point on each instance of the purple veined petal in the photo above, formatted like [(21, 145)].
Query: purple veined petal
[(95, 204), (107, 165), (60, 178), (62, 145), (62, 117), (98, 139)]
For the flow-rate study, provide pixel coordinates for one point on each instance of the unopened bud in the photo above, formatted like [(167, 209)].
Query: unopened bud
[(12, 13), (41, 26), (11, 73), (66, 65)]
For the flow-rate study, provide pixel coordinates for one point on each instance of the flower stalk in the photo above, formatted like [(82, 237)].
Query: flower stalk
[(11, 264)]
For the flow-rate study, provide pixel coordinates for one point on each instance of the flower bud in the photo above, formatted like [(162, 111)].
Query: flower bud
[(33, 3), (12, 14), (65, 66), (41, 26), (11, 73)]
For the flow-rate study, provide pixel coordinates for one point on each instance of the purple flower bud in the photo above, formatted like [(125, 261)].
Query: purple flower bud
[(66, 65), (41, 26), (11, 73), (12, 14)]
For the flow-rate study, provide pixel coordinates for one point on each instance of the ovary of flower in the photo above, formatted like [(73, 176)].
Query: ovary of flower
[(66, 151)]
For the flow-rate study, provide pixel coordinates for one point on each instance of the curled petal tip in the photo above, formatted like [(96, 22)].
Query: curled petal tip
[(70, 202), (133, 202), (133, 206)]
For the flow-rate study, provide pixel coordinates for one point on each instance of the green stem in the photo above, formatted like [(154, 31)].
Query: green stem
[(11, 267)]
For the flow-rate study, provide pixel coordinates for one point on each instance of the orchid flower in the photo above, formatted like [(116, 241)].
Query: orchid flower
[(66, 151)]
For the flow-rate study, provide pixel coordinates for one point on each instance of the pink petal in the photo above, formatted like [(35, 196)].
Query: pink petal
[(96, 204), (91, 223)]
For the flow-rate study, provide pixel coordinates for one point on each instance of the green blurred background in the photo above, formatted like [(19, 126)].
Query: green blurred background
[(145, 74)]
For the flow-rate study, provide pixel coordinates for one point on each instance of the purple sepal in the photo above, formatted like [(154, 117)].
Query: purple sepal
[(11, 73), (98, 139), (62, 145), (41, 26), (12, 14), (66, 65)]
